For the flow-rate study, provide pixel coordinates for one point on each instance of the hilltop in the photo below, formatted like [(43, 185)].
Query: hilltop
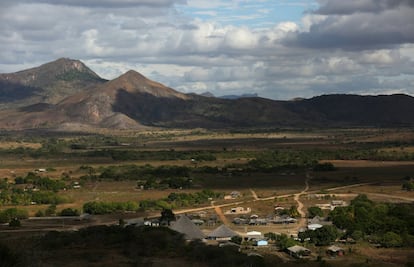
[(66, 94)]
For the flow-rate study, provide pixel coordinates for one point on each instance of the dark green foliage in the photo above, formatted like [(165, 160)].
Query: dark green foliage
[(13, 213), (51, 210), (277, 159), (237, 239), (179, 200), (283, 241), (315, 211), (47, 197), (125, 155), (69, 212), (167, 215), (109, 207), (322, 236), (324, 167), (189, 199), (391, 239), (292, 212), (15, 222), (375, 219), (147, 173), (408, 185), (40, 213)]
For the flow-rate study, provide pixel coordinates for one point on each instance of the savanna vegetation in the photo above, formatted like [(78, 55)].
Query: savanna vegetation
[(116, 173)]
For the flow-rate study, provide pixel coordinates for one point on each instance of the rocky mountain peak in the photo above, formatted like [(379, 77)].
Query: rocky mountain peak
[(136, 83)]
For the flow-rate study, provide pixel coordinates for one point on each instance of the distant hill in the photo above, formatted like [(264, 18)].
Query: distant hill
[(65, 94), (239, 96), (356, 110), (48, 83)]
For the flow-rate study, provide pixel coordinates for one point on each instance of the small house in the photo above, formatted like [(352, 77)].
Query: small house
[(261, 243), (238, 210), (335, 251), (222, 233), (284, 219), (314, 226), (298, 251), (254, 235)]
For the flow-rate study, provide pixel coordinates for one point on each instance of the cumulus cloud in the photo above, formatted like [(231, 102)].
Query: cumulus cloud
[(340, 7), (342, 46), (101, 3), (360, 25)]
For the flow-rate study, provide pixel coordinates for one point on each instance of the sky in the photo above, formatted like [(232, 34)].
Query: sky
[(279, 49)]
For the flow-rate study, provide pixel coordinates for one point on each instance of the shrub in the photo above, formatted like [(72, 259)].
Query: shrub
[(12, 213)]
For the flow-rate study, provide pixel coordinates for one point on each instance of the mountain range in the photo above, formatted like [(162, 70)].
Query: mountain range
[(66, 94)]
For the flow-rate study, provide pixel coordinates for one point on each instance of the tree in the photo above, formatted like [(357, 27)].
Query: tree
[(327, 166), (69, 212), (391, 239), (284, 242), (322, 236), (15, 222), (167, 215), (237, 239), (293, 212), (343, 217), (51, 210), (409, 186), (12, 213), (314, 211)]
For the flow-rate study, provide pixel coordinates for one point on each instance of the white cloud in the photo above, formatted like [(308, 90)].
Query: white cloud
[(282, 60)]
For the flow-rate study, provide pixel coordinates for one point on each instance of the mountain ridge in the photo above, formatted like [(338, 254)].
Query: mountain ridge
[(132, 101)]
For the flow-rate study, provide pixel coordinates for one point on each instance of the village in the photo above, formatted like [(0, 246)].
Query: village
[(239, 227)]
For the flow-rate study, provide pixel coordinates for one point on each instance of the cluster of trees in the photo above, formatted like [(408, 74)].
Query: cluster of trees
[(95, 207), (321, 237), (282, 241), (291, 212), (276, 159), (324, 167), (408, 185), (186, 199), (147, 176), (172, 182), (44, 183), (315, 211), (39, 190), (18, 196), (135, 172), (376, 222), (69, 212), (8, 215), (175, 200), (126, 155)]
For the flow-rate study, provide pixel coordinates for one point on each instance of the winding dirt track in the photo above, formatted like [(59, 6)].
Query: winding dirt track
[(297, 197), (219, 212)]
